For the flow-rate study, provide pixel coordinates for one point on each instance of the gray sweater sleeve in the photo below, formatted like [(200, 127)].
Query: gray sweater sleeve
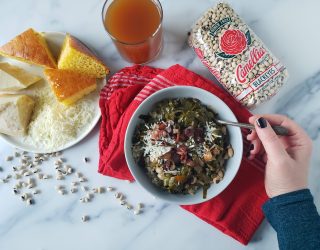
[(295, 219)]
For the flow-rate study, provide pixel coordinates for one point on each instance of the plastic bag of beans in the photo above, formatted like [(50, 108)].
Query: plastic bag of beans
[(236, 56)]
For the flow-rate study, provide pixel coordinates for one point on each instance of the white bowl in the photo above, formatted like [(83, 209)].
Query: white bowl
[(214, 103)]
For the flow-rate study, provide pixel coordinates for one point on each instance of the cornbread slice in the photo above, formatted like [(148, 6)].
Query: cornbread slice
[(29, 47), (69, 86), (77, 57), (13, 78), (15, 114)]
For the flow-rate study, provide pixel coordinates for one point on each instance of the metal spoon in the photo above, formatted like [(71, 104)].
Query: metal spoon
[(279, 130)]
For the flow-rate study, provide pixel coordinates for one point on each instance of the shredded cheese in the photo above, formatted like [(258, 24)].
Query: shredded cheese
[(53, 124), (154, 149), (210, 133)]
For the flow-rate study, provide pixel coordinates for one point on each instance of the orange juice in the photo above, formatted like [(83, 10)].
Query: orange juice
[(135, 27)]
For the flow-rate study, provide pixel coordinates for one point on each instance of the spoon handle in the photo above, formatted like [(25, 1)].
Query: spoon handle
[(279, 130)]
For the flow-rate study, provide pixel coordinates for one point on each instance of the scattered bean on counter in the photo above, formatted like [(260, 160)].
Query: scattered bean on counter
[(28, 172)]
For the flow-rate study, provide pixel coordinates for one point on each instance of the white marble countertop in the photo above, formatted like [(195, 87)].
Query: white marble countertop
[(290, 28)]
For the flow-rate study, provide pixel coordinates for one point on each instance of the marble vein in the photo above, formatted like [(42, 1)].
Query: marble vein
[(113, 227)]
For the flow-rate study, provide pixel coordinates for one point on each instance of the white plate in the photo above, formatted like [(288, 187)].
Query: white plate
[(224, 113), (55, 41)]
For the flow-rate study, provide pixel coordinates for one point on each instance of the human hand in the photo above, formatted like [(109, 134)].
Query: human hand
[(287, 157)]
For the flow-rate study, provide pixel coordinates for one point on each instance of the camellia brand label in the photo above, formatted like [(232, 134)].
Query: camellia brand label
[(265, 77), (255, 56)]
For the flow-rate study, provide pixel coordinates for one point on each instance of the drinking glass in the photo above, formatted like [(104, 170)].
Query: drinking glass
[(139, 52)]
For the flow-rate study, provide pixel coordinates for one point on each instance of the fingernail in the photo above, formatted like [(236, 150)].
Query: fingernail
[(261, 122), (248, 154), (251, 147)]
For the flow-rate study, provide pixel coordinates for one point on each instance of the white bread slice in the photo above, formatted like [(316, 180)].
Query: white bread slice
[(13, 78), (15, 114)]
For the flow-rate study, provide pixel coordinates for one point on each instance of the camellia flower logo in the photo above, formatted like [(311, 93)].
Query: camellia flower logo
[(233, 42)]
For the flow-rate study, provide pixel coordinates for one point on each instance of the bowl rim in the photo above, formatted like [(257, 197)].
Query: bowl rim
[(128, 151)]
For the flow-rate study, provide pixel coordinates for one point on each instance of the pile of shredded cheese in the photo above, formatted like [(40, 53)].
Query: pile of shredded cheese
[(211, 134), (154, 149), (53, 124)]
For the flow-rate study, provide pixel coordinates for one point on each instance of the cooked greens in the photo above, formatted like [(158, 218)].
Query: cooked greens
[(181, 147)]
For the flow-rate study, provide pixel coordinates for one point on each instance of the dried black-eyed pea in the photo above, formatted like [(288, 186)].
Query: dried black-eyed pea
[(24, 196), (58, 187), (59, 177), (25, 157), (27, 173), (18, 185), (30, 201), (82, 179), (58, 153), (23, 171), (69, 170), (99, 190), (140, 206), (61, 172), (57, 163), (85, 218), (136, 211), (61, 160), (36, 170), (35, 163), (3, 180), (61, 191), (17, 176), (9, 158), (15, 190), (89, 196)]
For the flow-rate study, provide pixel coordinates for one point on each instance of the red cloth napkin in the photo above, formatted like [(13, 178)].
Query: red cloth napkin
[(237, 210)]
